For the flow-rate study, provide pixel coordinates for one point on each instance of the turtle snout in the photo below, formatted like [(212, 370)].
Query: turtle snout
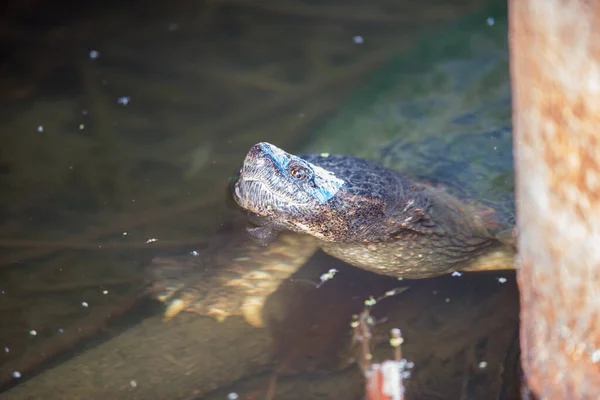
[(257, 160), (257, 150)]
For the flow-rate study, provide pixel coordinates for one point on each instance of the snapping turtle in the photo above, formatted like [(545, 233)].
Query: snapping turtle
[(356, 210), (436, 196), (365, 214)]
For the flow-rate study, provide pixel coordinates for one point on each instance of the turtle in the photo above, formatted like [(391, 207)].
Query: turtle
[(356, 210), (409, 180), (367, 215)]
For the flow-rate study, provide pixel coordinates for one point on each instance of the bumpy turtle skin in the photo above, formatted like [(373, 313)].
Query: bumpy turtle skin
[(460, 242)]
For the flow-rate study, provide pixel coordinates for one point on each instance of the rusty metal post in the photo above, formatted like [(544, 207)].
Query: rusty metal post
[(555, 70)]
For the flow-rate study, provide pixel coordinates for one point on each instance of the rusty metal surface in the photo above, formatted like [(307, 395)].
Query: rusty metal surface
[(555, 69)]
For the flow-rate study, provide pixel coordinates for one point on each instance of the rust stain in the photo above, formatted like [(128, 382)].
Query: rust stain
[(555, 72)]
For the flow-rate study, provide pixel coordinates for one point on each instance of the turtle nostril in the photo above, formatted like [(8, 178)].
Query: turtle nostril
[(256, 149)]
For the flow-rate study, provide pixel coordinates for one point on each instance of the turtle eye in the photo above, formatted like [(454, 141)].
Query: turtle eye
[(299, 172)]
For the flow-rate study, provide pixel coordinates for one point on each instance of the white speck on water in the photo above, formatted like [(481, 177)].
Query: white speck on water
[(81, 127), (124, 100), (482, 365), (456, 273), (233, 396), (16, 374), (124, 233), (152, 240), (490, 21), (84, 304), (94, 54), (105, 291), (194, 253), (595, 356), (40, 128), (132, 383), (33, 332), (61, 330), (502, 279), (84, 112), (495, 148), (447, 300), (358, 39), (329, 275), (6, 350), (70, 167)]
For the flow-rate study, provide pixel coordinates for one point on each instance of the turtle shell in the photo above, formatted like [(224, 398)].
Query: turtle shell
[(441, 113)]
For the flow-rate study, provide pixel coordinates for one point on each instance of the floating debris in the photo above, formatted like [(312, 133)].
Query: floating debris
[(329, 275), (384, 381), (125, 100)]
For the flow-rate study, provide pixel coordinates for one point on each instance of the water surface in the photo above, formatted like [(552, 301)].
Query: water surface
[(121, 126)]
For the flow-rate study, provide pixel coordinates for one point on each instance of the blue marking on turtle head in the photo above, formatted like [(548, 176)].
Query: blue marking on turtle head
[(311, 179)]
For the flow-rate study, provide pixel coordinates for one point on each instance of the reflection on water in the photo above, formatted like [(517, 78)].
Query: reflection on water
[(121, 128)]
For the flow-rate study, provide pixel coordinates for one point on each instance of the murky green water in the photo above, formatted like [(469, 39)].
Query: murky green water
[(120, 130)]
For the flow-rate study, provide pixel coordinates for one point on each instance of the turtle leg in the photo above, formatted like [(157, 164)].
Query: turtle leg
[(501, 258), (230, 280)]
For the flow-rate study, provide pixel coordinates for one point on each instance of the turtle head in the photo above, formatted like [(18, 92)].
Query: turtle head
[(282, 191)]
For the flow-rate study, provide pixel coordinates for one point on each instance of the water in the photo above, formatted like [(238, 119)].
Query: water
[(120, 130)]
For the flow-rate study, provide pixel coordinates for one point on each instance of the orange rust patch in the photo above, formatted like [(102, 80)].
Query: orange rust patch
[(555, 72)]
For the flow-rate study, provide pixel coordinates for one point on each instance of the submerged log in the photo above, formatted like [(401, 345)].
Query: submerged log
[(555, 69)]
